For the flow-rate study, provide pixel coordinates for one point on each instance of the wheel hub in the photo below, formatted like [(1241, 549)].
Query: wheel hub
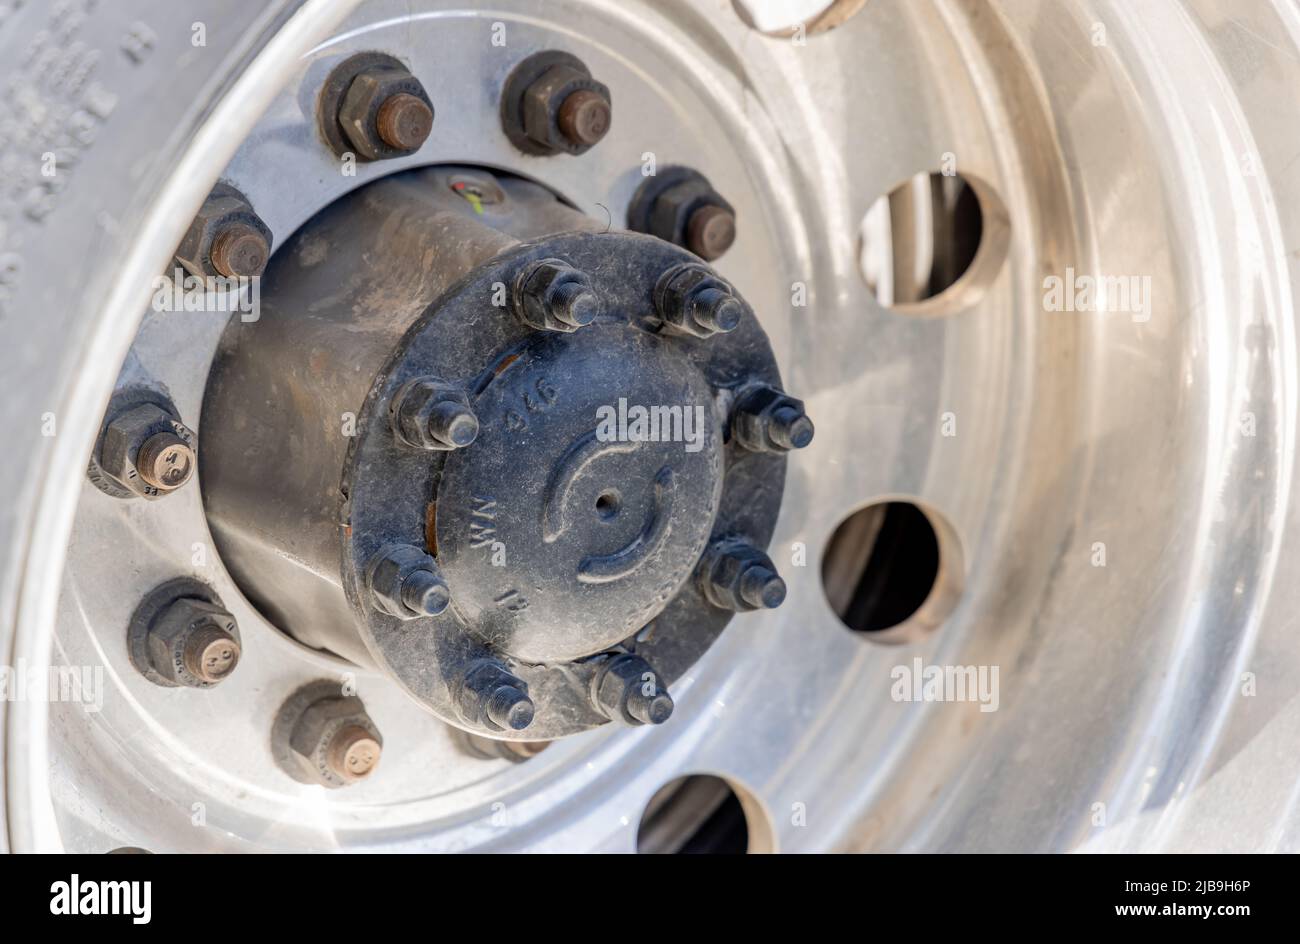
[(563, 531), (563, 471)]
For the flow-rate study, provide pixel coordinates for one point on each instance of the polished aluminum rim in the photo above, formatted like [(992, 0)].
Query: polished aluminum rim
[(1113, 533)]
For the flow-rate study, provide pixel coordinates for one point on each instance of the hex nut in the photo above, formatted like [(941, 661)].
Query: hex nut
[(550, 104), (766, 419), (551, 295), (428, 414), (181, 636), (492, 698), (226, 222), (735, 575), (626, 689), (691, 299), (405, 582), (680, 206), (147, 452), (334, 743), (385, 113)]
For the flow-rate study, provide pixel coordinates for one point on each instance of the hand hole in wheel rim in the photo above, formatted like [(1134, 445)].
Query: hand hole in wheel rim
[(892, 571), (795, 18), (933, 244), (702, 813)]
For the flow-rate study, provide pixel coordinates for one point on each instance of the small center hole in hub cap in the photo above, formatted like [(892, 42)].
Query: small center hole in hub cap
[(608, 504)]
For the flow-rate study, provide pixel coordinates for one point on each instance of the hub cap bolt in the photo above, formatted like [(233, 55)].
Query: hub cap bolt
[(766, 419), (424, 592), (626, 689), (735, 575), (405, 582), (453, 423), (428, 414), (551, 295), (492, 697), (710, 232), (692, 300)]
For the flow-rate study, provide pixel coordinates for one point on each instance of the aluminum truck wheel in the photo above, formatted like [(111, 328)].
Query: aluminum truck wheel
[(1026, 264)]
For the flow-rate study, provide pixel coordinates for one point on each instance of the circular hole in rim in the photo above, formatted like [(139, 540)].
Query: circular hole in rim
[(933, 244), (785, 18), (702, 814), (893, 571)]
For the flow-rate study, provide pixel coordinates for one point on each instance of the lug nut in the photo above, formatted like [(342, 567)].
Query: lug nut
[(429, 414), (239, 251), (552, 295), (550, 104), (626, 689), (210, 653), (326, 738), (404, 121), (352, 753), (181, 636), (584, 117), (680, 206), (735, 575), (710, 231), (405, 582), (694, 301), (766, 419), (371, 106), (490, 696), (165, 461), (226, 238)]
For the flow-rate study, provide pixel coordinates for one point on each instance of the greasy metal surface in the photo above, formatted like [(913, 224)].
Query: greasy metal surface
[(1160, 145)]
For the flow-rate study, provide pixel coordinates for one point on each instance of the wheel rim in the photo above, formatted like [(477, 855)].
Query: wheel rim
[(795, 710)]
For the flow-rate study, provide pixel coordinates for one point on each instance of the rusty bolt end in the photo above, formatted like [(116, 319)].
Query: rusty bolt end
[(353, 753), (239, 251), (404, 121), (211, 653), (710, 232), (165, 461), (584, 117)]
